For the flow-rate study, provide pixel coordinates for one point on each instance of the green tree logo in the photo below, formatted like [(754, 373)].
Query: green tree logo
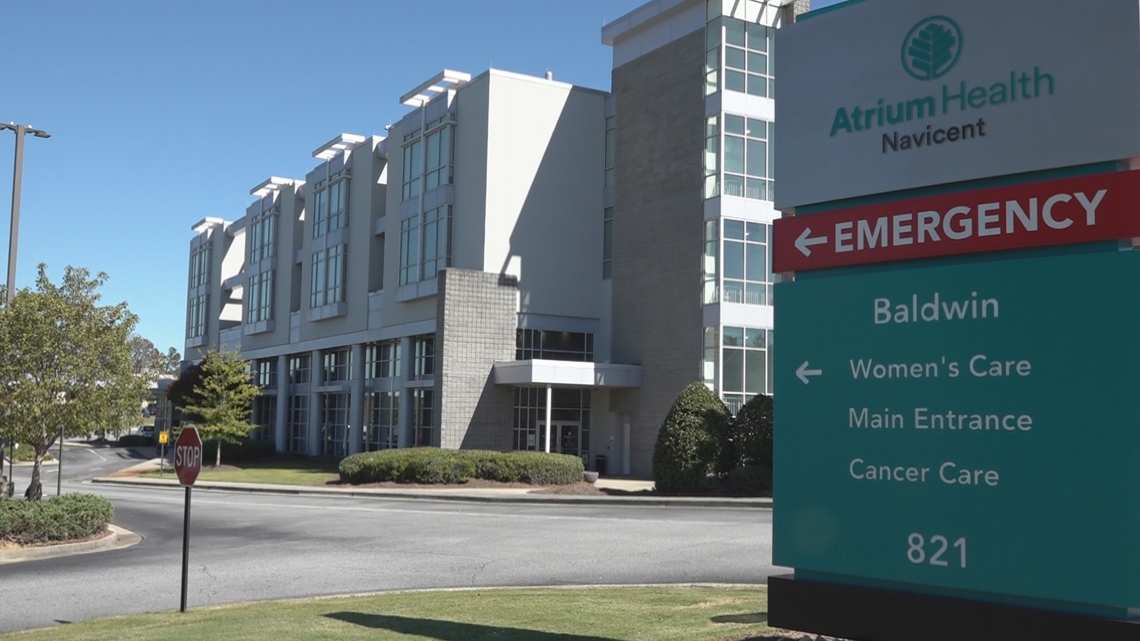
[(932, 48)]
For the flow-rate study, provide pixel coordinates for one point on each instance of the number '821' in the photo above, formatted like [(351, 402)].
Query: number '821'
[(919, 550)]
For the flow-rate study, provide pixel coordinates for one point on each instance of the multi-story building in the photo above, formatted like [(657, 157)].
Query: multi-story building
[(520, 263)]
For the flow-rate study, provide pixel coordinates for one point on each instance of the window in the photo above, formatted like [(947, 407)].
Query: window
[(264, 418), (569, 409), (747, 63), (747, 266), (413, 165), (607, 243), (382, 417), (259, 297), (611, 150), (299, 368), (746, 365), (382, 360), (554, 346), (196, 312), (711, 263), (424, 347), (425, 244), (712, 157), (297, 438), (200, 266), (437, 169), (262, 237), (334, 424), (330, 203), (423, 416), (748, 158), (328, 276), (337, 364), (266, 373)]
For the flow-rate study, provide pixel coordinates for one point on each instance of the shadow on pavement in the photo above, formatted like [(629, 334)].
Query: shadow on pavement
[(453, 631)]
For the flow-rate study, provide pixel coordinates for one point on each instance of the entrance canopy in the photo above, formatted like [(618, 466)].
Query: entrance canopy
[(566, 374)]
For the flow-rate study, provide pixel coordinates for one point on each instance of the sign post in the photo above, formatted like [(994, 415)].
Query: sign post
[(187, 465)]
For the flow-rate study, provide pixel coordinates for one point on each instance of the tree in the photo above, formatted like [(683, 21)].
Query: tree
[(145, 357), (224, 397), (171, 362), (685, 454), (65, 364), (183, 392)]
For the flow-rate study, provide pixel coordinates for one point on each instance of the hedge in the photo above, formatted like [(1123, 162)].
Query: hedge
[(246, 449), (60, 518), (437, 466)]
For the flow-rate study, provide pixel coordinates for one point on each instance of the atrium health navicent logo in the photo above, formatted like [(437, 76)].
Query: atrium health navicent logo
[(932, 48)]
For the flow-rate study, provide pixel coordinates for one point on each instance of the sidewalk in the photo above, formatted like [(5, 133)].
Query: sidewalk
[(127, 477)]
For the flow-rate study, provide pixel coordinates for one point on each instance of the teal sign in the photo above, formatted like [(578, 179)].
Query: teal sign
[(932, 48), (971, 427)]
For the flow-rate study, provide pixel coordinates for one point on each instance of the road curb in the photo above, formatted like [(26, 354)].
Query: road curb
[(116, 539), (432, 495)]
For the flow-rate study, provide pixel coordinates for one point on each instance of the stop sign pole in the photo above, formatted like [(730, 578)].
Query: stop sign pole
[(187, 465)]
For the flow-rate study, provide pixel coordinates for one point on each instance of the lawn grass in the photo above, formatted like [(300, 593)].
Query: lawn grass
[(278, 470), (532, 614)]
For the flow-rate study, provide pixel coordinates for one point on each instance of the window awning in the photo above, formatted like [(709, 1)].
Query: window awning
[(566, 374)]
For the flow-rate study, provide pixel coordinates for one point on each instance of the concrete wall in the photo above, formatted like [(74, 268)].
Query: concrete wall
[(476, 327), (657, 233)]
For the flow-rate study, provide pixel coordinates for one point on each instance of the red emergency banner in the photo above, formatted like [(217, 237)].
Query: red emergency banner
[(1056, 212)]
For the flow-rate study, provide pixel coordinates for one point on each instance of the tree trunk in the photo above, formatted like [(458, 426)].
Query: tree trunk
[(218, 458), (35, 491)]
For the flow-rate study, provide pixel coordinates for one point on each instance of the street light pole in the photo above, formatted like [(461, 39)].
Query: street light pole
[(17, 172)]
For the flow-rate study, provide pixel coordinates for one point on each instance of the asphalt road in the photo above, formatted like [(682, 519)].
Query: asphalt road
[(248, 547)]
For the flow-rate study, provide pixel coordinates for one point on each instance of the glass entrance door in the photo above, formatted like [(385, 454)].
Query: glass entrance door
[(566, 438)]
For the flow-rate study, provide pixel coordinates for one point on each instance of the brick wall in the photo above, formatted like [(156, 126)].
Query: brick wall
[(657, 232), (475, 326)]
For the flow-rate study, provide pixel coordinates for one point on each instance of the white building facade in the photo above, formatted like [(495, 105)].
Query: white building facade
[(520, 264)]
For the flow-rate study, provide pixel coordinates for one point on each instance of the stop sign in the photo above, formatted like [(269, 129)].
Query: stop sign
[(188, 456)]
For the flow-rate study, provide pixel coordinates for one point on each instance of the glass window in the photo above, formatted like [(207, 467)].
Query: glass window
[(382, 360), (412, 169), (748, 158), (611, 150), (425, 245), (297, 439), (746, 266), (259, 297), (712, 157), (553, 345), (746, 364), (423, 416), (424, 364), (382, 421)]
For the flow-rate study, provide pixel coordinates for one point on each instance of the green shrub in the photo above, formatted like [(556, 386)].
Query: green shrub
[(438, 466), (245, 449), (685, 456), (60, 518), (754, 480), (752, 434)]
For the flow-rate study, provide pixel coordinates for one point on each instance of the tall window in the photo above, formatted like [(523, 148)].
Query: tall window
[(437, 160), (328, 276), (712, 157), (607, 242), (423, 416), (382, 360), (334, 424), (611, 150), (747, 62), (424, 364), (259, 297), (196, 312), (711, 263), (382, 417), (746, 365), (264, 418), (330, 203), (748, 158), (262, 237), (297, 438), (299, 368), (200, 266), (747, 270), (425, 244), (413, 166)]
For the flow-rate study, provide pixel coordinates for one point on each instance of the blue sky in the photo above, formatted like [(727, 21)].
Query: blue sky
[(163, 113)]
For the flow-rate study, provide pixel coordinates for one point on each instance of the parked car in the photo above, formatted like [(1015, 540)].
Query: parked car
[(146, 431)]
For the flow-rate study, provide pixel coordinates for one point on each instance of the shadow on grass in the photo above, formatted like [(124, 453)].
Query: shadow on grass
[(757, 617), (453, 631)]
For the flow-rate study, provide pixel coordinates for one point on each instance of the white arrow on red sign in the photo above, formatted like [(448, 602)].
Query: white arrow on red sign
[(805, 241)]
